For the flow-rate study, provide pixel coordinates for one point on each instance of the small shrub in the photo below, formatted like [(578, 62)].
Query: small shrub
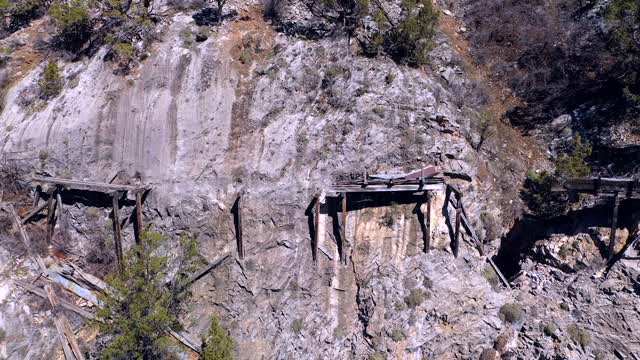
[(50, 82), (579, 335), (377, 356), (600, 355), (397, 335), (490, 275), (414, 299), (217, 345), (565, 250), (186, 35), (297, 326), (501, 342), (550, 329), (574, 163), (362, 90), (511, 312), (564, 306), (245, 56)]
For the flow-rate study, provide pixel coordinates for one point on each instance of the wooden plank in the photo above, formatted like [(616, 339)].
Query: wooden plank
[(614, 225), (343, 229), (202, 272), (316, 219), (238, 220), (26, 240), (34, 212), (66, 349), (500, 275), (185, 340), (63, 303), (138, 216), (384, 188), (71, 338), (117, 234), (87, 185)]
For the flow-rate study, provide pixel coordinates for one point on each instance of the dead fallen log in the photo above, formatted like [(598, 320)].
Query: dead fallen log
[(202, 272)]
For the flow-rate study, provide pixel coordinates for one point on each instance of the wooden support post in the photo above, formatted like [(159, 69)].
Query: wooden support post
[(117, 235), (238, 223), (456, 238), (343, 257), (61, 218), (138, 216), (316, 226), (614, 225), (36, 196), (427, 237), (51, 209), (365, 177), (499, 273)]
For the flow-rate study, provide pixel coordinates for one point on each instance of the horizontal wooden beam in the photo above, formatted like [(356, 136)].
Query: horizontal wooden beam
[(384, 188), (87, 185)]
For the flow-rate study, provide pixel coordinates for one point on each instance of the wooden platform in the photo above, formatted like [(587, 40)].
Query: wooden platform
[(626, 187), (88, 185), (433, 184)]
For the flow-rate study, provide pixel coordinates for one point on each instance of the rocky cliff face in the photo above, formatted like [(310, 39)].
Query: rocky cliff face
[(277, 117)]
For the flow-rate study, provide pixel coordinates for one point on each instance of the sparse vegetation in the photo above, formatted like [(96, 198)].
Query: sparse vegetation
[(511, 312), (579, 335), (217, 345), (397, 335), (573, 164), (490, 275), (377, 356), (387, 220), (297, 325), (550, 329), (414, 298)]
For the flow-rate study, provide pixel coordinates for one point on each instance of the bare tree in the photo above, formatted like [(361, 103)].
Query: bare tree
[(221, 4)]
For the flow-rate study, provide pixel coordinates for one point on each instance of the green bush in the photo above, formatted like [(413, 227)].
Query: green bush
[(624, 17), (72, 21), (574, 163), (138, 310), (217, 345), (50, 82), (511, 312)]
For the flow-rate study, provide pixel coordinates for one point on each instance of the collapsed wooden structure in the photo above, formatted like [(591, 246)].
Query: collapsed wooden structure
[(616, 188), (424, 182), (50, 271)]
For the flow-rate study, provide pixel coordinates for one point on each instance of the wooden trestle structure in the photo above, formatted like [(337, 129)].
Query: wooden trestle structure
[(417, 182), (56, 188), (617, 188)]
